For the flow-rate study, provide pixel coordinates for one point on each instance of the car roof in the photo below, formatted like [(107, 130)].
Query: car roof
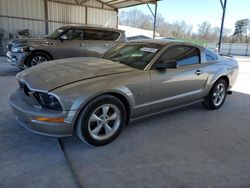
[(164, 42), (92, 27)]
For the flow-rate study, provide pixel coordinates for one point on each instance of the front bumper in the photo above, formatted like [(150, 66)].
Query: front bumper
[(26, 113), (16, 59)]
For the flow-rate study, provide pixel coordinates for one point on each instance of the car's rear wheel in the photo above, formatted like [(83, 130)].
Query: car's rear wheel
[(217, 95), (101, 121), (37, 58)]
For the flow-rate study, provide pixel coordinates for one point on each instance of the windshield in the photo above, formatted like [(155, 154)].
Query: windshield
[(136, 55), (57, 33)]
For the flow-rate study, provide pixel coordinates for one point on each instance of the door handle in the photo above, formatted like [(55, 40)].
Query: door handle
[(198, 72), (82, 44)]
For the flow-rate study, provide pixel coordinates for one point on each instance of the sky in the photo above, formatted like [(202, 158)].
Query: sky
[(194, 12)]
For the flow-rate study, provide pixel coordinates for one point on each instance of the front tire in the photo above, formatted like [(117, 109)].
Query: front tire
[(101, 121), (37, 58), (217, 95)]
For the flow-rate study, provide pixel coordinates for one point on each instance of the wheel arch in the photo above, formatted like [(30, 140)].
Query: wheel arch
[(208, 100), (34, 51), (220, 74), (122, 97), (224, 77), (125, 102)]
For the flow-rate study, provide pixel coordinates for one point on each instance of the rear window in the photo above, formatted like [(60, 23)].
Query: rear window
[(210, 56)]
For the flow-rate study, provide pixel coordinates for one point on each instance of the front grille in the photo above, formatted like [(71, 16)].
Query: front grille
[(24, 88), (9, 46)]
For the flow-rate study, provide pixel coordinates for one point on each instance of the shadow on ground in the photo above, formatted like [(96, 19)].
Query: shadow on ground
[(26, 159), (192, 147), (7, 69)]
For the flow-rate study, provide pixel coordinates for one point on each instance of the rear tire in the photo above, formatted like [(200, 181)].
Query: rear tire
[(101, 121), (217, 95), (37, 58)]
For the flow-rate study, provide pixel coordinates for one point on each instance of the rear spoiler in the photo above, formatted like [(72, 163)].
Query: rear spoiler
[(226, 55)]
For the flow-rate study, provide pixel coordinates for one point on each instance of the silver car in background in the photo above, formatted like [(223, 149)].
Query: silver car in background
[(65, 42), (96, 97)]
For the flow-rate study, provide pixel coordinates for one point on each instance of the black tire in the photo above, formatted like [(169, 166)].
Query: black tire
[(210, 101), (31, 57), (84, 123)]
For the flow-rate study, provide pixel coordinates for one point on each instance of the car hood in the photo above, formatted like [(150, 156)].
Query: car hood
[(54, 74), (30, 41)]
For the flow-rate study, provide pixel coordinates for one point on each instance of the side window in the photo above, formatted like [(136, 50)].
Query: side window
[(110, 35), (77, 34), (91, 34), (184, 55), (210, 56), (69, 34), (74, 34)]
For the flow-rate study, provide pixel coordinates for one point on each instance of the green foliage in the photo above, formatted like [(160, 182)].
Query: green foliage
[(241, 27), (194, 41)]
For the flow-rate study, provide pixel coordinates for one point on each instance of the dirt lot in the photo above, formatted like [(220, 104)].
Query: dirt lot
[(191, 147)]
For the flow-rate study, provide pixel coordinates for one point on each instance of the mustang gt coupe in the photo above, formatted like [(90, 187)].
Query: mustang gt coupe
[(95, 97)]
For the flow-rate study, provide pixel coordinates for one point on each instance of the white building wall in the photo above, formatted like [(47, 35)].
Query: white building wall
[(65, 14), (101, 17), (29, 14), (132, 31), (12, 10)]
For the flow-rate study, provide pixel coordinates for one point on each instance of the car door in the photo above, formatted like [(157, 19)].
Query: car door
[(98, 41), (70, 44), (173, 87)]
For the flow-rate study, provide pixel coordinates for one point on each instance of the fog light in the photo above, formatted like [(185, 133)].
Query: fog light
[(53, 120)]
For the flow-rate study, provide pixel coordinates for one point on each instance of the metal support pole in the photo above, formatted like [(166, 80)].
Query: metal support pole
[(230, 48), (223, 5), (154, 15), (46, 17), (247, 50)]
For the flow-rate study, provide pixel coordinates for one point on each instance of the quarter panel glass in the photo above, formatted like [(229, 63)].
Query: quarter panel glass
[(184, 55)]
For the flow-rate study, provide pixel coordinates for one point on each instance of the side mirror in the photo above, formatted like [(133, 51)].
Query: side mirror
[(166, 64), (64, 37)]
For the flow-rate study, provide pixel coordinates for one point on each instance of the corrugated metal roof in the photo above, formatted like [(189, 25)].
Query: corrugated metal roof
[(116, 4)]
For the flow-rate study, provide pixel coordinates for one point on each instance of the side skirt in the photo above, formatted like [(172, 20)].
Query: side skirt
[(169, 109)]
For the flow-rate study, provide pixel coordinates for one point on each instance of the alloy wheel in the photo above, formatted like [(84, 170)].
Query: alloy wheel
[(219, 94), (38, 59), (104, 122)]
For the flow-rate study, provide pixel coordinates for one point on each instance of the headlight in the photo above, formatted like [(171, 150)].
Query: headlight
[(20, 49), (48, 101)]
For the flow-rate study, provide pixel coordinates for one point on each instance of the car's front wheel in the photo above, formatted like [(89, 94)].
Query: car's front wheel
[(217, 95), (37, 58), (101, 121)]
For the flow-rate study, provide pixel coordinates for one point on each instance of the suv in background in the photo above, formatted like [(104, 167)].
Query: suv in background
[(65, 42)]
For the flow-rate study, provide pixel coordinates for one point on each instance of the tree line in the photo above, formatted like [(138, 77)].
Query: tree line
[(181, 30)]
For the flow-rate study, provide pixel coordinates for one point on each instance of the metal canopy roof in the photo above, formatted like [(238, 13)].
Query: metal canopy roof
[(111, 4), (117, 4)]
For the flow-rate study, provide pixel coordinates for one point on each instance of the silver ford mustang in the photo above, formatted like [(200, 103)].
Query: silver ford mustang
[(96, 97)]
